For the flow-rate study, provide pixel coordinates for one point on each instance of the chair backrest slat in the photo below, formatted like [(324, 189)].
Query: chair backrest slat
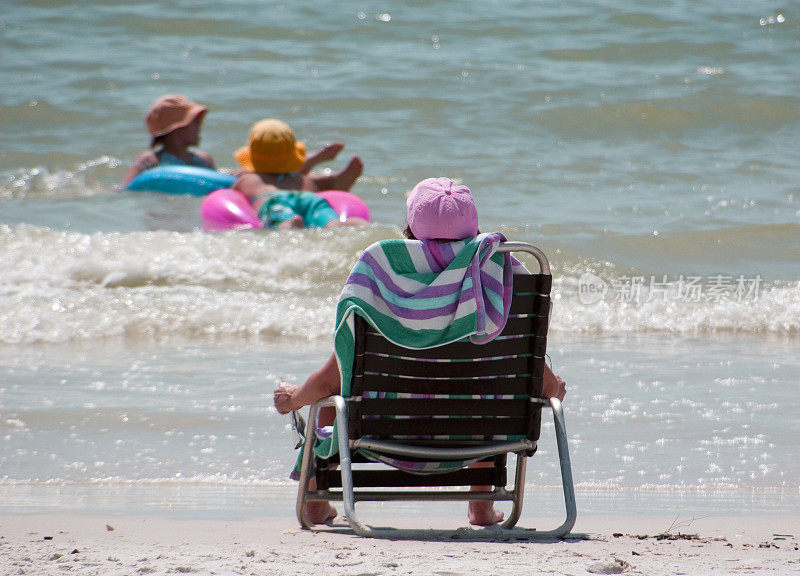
[(474, 387), (524, 303), (405, 367), (419, 427), (526, 325), (538, 283), (443, 407), (516, 345)]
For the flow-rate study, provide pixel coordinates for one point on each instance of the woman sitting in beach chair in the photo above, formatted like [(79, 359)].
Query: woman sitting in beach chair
[(439, 213)]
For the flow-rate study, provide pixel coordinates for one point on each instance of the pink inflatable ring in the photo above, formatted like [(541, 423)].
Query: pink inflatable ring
[(228, 209)]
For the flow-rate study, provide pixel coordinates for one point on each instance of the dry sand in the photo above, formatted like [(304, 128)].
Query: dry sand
[(116, 545)]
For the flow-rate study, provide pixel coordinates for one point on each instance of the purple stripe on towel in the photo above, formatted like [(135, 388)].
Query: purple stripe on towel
[(492, 283), (448, 254), (381, 274), (433, 291), (387, 279), (434, 256), (495, 316), (403, 312)]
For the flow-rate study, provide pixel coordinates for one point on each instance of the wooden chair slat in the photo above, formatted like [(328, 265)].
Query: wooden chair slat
[(405, 367), (377, 344), (522, 303), (519, 325), (400, 479), (528, 283), (473, 387), (444, 426), (443, 406)]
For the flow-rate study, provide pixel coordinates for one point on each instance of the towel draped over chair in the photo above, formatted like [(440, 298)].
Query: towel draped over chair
[(424, 294)]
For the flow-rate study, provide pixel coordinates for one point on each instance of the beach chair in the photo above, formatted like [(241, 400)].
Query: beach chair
[(431, 411)]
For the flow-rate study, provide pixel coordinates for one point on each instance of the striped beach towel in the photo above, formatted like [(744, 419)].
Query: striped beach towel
[(421, 294)]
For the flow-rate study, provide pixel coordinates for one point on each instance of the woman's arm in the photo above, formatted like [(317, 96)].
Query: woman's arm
[(321, 384)]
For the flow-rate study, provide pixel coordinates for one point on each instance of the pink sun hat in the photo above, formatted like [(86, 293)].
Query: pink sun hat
[(440, 209), (171, 112)]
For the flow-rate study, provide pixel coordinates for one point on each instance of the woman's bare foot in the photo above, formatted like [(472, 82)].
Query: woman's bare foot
[(482, 513), (320, 512)]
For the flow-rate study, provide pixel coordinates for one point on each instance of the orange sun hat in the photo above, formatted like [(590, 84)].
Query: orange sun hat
[(171, 112), (272, 149)]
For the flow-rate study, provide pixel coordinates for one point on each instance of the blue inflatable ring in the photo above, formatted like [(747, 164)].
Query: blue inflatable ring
[(181, 180)]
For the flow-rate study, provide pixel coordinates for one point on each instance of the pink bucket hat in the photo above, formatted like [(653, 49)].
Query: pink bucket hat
[(169, 113), (438, 208)]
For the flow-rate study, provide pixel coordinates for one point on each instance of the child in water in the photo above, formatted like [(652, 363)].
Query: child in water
[(173, 122), (275, 178)]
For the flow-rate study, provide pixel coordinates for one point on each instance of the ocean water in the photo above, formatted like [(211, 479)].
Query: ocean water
[(649, 150)]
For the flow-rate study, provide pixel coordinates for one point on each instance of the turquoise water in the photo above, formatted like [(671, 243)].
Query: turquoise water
[(650, 150)]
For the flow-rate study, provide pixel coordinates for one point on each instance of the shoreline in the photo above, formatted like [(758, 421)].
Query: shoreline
[(221, 501), (46, 544)]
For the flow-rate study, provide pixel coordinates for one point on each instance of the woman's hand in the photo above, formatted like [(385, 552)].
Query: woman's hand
[(553, 386), (282, 397)]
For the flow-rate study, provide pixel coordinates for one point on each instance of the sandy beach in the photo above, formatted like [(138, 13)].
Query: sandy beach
[(46, 544)]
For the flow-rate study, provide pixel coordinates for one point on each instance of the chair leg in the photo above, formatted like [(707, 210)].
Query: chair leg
[(346, 470), (519, 492), (306, 466), (566, 480), (566, 470), (345, 461)]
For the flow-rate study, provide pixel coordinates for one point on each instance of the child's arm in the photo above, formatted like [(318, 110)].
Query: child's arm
[(257, 191), (145, 161), (207, 157), (327, 152)]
